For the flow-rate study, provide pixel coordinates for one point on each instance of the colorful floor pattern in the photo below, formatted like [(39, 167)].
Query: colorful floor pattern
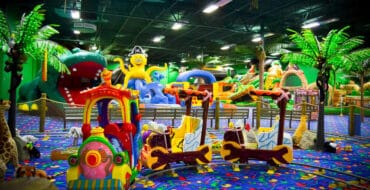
[(222, 177)]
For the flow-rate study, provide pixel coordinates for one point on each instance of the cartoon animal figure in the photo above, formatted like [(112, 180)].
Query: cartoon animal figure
[(249, 134), (274, 72), (8, 147), (302, 127), (26, 138), (75, 133), (152, 94), (106, 75), (31, 171), (33, 151), (138, 59), (157, 76)]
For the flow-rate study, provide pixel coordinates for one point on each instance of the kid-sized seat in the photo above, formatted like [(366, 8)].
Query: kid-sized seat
[(187, 136)]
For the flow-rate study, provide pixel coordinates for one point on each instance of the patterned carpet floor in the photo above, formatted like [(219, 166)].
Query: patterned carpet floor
[(252, 176)]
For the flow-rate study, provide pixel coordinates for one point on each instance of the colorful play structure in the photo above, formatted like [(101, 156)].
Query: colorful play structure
[(267, 144), (85, 68), (110, 153), (113, 153), (186, 143), (138, 60), (117, 145)]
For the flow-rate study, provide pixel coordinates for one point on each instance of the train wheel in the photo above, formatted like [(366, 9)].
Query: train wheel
[(288, 157), (226, 152), (207, 155), (153, 160)]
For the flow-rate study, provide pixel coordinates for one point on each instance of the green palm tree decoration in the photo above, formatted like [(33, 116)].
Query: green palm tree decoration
[(357, 64), (325, 55), (29, 38)]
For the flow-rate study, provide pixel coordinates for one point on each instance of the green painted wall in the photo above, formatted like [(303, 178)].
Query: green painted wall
[(112, 66), (309, 72), (4, 78), (30, 70)]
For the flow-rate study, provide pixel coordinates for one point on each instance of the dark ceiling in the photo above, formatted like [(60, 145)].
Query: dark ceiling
[(122, 24)]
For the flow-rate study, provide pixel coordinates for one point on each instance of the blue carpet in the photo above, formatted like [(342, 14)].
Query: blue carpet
[(255, 177)]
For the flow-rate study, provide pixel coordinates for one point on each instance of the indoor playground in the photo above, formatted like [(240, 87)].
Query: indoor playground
[(229, 94)]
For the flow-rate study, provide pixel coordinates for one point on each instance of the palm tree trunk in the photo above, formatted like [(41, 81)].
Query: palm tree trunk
[(362, 95), (261, 71), (322, 83), (14, 83), (333, 91), (320, 133)]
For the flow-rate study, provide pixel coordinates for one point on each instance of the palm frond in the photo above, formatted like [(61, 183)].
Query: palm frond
[(46, 32), (57, 64), (329, 45), (4, 29), (354, 60), (29, 26), (55, 50), (53, 47), (349, 45), (298, 58), (307, 46), (312, 41), (333, 40)]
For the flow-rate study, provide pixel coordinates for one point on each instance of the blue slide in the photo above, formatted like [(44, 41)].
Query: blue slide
[(208, 77)]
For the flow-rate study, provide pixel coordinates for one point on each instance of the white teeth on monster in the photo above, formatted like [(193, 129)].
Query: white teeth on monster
[(95, 78), (70, 99), (99, 70), (74, 69), (62, 76), (65, 88), (68, 95)]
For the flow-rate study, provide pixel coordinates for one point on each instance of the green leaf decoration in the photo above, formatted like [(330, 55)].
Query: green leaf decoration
[(46, 32), (298, 58), (29, 26), (337, 49), (308, 46), (4, 29), (33, 38)]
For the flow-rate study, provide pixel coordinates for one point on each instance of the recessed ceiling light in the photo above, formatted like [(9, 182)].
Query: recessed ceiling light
[(210, 8), (268, 34), (225, 47), (329, 21), (256, 39), (158, 39), (75, 14), (176, 26), (311, 25), (94, 47), (268, 61), (222, 3), (76, 32)]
